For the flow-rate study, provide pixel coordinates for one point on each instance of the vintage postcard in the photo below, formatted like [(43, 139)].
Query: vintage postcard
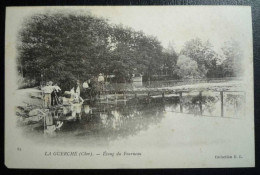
[(104, 87)]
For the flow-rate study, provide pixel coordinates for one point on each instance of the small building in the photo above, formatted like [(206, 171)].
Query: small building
[(137, 78)]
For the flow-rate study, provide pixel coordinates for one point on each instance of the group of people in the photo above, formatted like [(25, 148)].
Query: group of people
[(52, 92), (75, 93), (93, 85)]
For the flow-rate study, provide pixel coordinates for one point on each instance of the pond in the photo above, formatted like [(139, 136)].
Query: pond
[(167, 83), (104, 121)]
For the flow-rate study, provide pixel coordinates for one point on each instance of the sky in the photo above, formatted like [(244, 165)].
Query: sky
[(180, 24), (175, 24)]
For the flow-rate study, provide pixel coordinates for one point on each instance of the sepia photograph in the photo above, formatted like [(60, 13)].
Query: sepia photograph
[(94, 87)]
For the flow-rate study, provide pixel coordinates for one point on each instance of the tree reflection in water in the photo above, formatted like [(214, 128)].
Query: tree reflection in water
[(109, 121), (106, 120), (234, 104), (192, 104)]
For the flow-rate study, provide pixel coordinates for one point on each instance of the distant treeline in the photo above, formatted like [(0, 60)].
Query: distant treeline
[(64, 47)]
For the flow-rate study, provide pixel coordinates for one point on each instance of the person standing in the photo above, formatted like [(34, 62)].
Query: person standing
[(78, 88), (85, 85), (55, 94), (101, 78), (93, 87), (101, 81), (75, 93), (85, 88), (47, 90), (57, 88)]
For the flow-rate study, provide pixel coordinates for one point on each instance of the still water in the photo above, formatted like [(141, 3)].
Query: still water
[(102, 122)]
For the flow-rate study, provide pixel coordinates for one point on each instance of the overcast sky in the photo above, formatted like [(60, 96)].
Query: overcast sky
[(176, 24)]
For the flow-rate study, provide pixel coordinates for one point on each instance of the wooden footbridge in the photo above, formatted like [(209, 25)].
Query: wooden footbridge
[(152, 93)]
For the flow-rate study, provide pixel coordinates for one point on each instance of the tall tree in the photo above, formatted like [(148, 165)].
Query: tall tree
[(232, 65), (203, 54), (134, 52), (63, 47), (169, 60), (187, 68)]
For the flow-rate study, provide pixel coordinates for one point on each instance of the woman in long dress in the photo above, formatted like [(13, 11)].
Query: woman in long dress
[(75, 94)]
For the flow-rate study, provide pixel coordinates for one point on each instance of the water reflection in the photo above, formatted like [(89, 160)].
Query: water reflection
[(111, 120), (234, 104), (201, 104), (106, 120), (51, 123)]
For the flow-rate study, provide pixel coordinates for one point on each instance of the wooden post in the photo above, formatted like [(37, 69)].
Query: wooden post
[(124, 96), (163, 97), (106, 98), (43, 100), (44, 119), (222, 105), (116, 96), (200, 102), (181, 108)]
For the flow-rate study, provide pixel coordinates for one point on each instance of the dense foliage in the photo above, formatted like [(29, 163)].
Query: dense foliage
[(65, 47), (211, 64)]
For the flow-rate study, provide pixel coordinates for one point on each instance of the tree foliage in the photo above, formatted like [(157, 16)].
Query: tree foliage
[(170, 58), (209, 62), (63, 47), (203, 54), (232, 65), (187, 68)]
